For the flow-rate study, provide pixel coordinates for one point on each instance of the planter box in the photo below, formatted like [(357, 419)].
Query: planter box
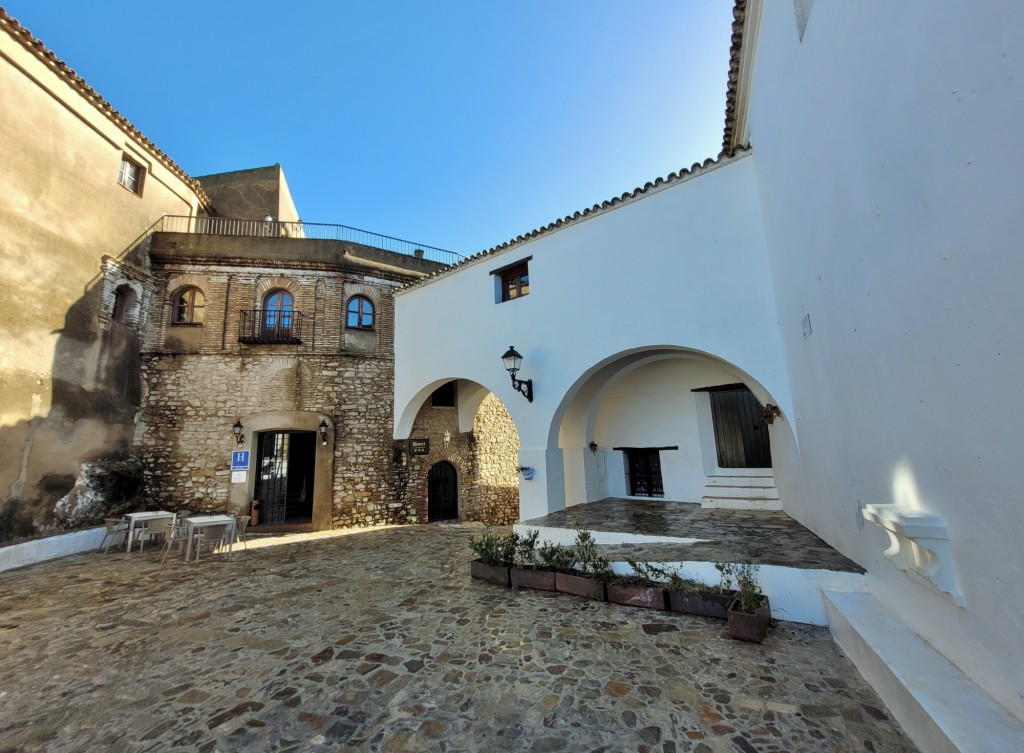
[(705, 604), (649, 597), (538, 580), (749, 627), (580, 585), (495, 574)]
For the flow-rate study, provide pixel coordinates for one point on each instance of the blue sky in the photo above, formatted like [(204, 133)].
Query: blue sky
[(456, 124)]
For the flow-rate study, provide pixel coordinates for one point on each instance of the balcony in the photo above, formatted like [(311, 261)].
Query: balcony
[(270, 327), (307, 230)]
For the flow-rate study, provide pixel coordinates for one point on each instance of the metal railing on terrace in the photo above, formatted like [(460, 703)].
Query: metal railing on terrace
[(171, 223)]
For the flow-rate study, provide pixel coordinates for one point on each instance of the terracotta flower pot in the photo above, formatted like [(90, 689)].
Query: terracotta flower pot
[(580, 585), (495, 574), (538, 580), (705, 603), (649, 597), (744, 626)]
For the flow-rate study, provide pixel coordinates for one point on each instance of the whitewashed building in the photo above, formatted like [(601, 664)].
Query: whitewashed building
[(852, 257)]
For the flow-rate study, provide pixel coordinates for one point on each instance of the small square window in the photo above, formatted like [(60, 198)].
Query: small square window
[(513, 281), (131, 175), (443, 396)]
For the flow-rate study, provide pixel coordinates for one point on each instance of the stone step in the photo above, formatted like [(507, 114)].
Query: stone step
[(939, 707)]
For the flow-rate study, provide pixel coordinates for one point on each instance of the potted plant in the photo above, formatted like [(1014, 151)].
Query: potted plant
[(587, 572), (639, 589), (694, 596), (495, 556), (525, 572), (750, 614)]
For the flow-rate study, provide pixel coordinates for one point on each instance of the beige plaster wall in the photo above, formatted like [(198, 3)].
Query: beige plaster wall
[(68, 376)]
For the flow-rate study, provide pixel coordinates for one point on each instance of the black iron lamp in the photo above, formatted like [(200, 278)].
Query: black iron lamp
[(323, 432), (513, 361), (237, 429)]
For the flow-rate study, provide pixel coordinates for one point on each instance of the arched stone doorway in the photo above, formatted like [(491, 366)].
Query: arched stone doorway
[(442, 492)]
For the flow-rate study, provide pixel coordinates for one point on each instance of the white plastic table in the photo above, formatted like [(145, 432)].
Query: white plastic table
[(203, 521), (138, 520)]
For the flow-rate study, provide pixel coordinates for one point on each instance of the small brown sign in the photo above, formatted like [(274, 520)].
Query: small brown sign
[(419, 446)]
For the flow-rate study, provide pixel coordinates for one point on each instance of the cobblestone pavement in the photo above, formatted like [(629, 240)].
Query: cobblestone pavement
[(762, 537), (378, 640)]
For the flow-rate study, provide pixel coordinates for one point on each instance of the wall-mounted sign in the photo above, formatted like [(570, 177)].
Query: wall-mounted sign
[(419, 446), (240, 460)]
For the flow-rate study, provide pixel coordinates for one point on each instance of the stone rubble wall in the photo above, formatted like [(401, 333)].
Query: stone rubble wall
[(485, 460)]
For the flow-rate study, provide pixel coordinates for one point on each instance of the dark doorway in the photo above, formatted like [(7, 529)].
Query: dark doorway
[(442, 492), (643, 473), (741, 435), (285, 474)]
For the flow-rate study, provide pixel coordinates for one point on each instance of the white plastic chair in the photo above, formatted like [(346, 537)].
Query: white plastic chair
[(115, 527), (177, 536), (241, 522), (211, 537)]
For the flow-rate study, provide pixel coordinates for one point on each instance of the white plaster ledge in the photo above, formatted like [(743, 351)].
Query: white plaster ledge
[(52, 547), (919, 545), (939, 707)]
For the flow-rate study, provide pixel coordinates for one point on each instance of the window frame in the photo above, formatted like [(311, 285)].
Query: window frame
[(135, 183), (190, 318), (360, 301), (512, 281), (119, 311), (281, 318)]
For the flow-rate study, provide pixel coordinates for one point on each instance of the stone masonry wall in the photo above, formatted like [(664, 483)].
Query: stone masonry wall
[(191, 402), (485, 460)]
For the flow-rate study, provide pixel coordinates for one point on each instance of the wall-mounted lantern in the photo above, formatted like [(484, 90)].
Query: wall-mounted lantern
[(323, 432), (593, 447), (446, 439), (237, 429), (401, 458), (526, 472), (513, 361)]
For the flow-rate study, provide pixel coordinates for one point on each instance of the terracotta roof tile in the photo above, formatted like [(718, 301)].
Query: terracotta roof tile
[(739, 16), (76, 82)]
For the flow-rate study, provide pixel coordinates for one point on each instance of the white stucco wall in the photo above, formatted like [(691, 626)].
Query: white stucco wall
[(889, 162), (682, 267), (654, 406)]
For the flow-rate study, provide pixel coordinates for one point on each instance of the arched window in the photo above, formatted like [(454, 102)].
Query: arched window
[(278, 314), (360, 313), (124, 299), (189, 306)]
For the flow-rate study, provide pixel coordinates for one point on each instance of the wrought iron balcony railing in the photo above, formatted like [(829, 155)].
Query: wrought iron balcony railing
[(310, 230), (270, 326)]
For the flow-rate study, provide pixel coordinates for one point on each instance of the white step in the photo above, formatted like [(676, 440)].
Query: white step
[(939, 707), (741, 503), (751, 481)]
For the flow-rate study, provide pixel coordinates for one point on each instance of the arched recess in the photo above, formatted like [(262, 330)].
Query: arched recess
[(253, 424), (688, 443), (470, 396), (477, 435)]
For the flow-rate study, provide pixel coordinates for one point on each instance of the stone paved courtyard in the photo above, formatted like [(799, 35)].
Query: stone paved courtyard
[(378, 640)]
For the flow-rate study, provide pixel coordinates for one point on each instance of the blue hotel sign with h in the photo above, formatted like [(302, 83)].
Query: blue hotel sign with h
[(240, 460)]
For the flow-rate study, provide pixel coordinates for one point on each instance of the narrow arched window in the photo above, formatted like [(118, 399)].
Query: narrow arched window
[(359, 313), (278, 314), (124, 299), (189, 306)]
